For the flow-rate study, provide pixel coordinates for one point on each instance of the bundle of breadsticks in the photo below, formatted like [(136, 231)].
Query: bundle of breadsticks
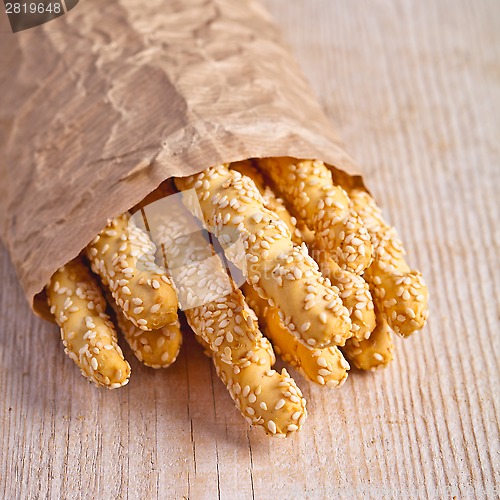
[(326, 285)]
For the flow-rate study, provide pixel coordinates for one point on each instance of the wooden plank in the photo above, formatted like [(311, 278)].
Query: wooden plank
[(414, 88)]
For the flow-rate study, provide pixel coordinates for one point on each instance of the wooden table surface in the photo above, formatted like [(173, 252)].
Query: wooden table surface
[(414, 90)]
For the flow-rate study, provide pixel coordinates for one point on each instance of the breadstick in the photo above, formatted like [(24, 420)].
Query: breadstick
[(353, 289), (354, 292), (154, 348), (374, 352), (271, 201), (326, 366), (400, 293), (265, 397), (281, 272), (243, 359), (308, 188), (88, 336), (225, 325), (123, 256)]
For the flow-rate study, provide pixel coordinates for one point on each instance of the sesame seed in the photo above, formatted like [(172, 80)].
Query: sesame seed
[(280, 404), (322, 362), (344, 364)]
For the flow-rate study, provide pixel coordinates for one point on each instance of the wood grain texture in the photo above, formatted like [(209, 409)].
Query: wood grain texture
[(414, 89)]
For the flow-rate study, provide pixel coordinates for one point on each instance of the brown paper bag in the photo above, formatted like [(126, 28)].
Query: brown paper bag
[(101, 105)]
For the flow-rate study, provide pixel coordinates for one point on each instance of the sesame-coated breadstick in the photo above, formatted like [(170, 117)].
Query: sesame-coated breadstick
[(123, 256), (154, 348), (326, 366), (400, 293), (225, 326), (271, 201), (88, 336), (281, 272), (243, 358), (308, 189), (374, 352), (353, 289)]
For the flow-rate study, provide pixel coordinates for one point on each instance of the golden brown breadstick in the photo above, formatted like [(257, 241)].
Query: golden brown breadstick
[(308, 189), (243, 358), (374, 352), (271, 201), (224, 325), (353, 289), (355, 294), (400, 293), (326, 366), (123, 256), (155, 348), (281, 272), (88, 336)]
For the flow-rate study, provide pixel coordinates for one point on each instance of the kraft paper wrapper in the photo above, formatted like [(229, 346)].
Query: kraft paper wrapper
[(103, 104)]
